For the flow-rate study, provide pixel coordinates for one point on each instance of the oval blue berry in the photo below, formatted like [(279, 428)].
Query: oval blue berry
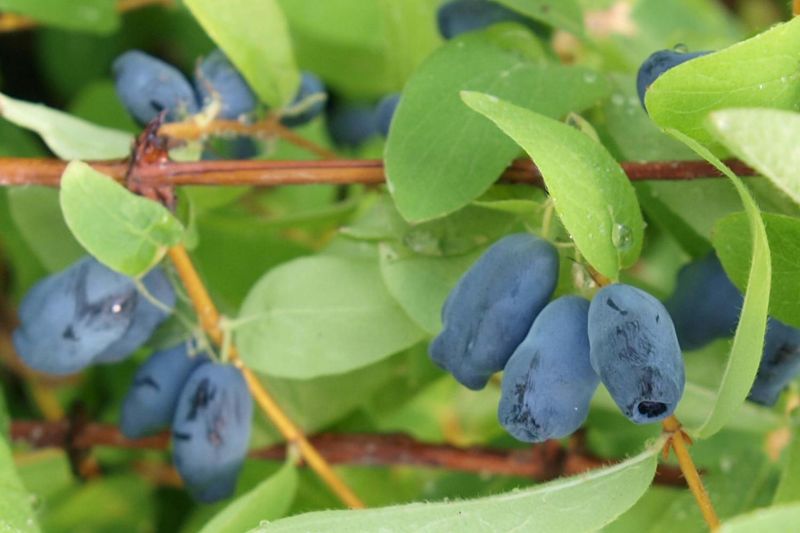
[(460, 16), (217, 76), (211, 430), (635, 351), (657, 64), (146, 86), (351, 125), (384, 113), (150, 403), (493, 306), (780, 362), (548, 383), (311, 86)]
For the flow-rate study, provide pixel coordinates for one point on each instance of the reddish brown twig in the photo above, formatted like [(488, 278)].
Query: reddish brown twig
[(541, 462)]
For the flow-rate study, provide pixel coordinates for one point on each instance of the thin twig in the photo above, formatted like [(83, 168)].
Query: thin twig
[(47, 172), (210, 320), (540, 462), (10, 22), (678, 441)]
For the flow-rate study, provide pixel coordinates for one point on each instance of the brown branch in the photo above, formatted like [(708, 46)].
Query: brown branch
[(47, 172), (541, 462)]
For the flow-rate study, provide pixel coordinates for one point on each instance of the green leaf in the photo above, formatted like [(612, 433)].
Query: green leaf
[(440, 155), (128, 233), (95, 16), (591, 192), (255, 36), (16, 513), (321, 315), (759, 72), (788, 490), (5, 420), (37, 216), (748, 342), (67, 136), (563, 14), (733, 243), (766, 140), (581, 503), (780, 518), (269, 500)]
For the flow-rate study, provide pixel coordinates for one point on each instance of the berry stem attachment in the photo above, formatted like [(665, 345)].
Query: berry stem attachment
[(678, 441), (210, 321)]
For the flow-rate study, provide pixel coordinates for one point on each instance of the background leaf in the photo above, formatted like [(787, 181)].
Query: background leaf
[(766, 140), (321, 315), (781, 518), (255, 36), (16, 513), (580, 503), (748, 342), (590, 191), (759, 72), (95, 16), (562, 14), (440, 155), (733, 243), (128, 233), (788, 490), (67, 136)]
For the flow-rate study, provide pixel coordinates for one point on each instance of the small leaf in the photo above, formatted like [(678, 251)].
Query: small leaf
[(591, 192), (788, 490), (255, 37), (16, 513), (779, 518), (766, 139), (562, 14), (321, 315), (95, 16), (128, 233), (440, 155), (759, 72), (733, 243), (269, 500), (67, 136), (748, 342), (580, 503)]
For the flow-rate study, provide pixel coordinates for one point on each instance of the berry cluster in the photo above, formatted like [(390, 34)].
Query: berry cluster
[(555, 354), (89, 314), (706, 306), (148, 86)]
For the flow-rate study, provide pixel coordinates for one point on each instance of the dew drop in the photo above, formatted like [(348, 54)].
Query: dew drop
[(621, 237), (423, 242), (590, 77), (681, 48), (617, 99)]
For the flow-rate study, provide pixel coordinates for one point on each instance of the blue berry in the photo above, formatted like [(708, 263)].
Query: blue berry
[(493, 306), (217, 77), (705, 304), (634, 350), (351, 125), (71, 318), (461, 16), (150, 403), (385, 112), (780, 362), (211, 430), (657, 64), (146, 86), (549, 382), (310, 86)]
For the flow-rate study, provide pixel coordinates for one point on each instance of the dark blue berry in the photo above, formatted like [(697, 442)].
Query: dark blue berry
[(461, 16), (780, 362), (385, 112), (216, 77), (657, 64), (310, 87), (351, 125)]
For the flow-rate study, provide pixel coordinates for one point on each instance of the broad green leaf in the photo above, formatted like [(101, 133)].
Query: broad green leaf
[(420, 284), (269, 500), (748, 342), (788, 490), (592, 195), (409, 35), (733, 243), (37, 216), (440, 155), (766, 139), (96, 16), (128, 233), (67, 136), (563, 14), (45, 472), (255, 36), (16, 513), (759, 72), (321, 315), (779, 518), (580, 503)]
